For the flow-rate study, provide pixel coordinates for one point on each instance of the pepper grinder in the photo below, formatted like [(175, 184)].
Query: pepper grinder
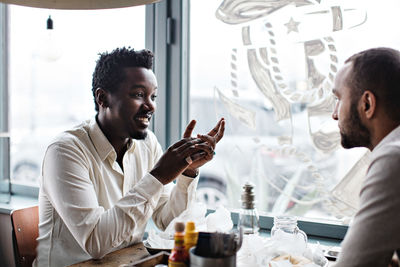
[(248, 216)]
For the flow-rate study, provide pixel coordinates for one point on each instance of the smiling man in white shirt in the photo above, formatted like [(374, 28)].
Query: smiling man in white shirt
[(103, 180), (368, 111)]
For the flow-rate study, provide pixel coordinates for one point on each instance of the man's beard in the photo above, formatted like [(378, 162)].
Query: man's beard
[(356, 134), (139, 135)]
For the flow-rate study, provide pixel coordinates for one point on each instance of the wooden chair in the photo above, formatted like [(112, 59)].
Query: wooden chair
[(25, 231)]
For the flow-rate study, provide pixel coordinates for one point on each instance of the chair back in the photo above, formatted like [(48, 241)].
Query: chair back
[(25, 231)]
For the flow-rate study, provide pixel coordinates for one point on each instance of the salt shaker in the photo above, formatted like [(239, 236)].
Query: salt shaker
[(248, 216)]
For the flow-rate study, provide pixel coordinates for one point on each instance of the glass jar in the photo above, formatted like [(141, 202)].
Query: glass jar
[(285, 230)]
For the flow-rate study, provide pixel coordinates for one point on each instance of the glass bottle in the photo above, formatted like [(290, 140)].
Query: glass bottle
[(248, 216), (285, 229), (178, 256), (191, 236)]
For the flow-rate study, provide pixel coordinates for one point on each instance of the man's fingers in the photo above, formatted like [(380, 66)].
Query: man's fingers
[(189, 144), (198, 147), (177, 145), (221, 131), (197, 156), (214, 131), (218, 131), (213, 139), (185, 141), (209, 139), (189, 129), (190, 150)]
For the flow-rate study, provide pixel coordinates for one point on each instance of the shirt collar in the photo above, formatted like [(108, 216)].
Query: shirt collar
[(100, 141), (393, 135), (131, 145)]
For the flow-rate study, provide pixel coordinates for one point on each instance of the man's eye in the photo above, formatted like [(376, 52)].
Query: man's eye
[(137, 95), (153, 97)]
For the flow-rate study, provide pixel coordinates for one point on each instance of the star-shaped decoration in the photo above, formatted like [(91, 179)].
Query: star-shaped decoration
[(292, 26)]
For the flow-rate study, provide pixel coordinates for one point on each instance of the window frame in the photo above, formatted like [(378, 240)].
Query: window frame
[(167, 35), (4, 114)]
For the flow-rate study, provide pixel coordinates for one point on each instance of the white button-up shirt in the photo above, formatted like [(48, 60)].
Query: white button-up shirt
[(89, 207)]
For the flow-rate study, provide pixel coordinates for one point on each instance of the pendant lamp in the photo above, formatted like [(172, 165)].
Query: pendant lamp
[(79, 4)]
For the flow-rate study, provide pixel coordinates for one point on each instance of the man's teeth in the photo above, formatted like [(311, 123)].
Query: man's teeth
[(143, 119)]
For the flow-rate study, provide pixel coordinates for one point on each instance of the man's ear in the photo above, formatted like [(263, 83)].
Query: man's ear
[(368, 104), (101, 97)]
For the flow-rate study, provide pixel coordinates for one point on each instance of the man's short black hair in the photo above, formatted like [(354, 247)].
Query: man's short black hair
[(109, 72), (377, 70)]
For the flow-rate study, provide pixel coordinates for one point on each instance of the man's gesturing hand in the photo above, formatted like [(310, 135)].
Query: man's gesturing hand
[(177, 158), (188, 154), (210, 139)]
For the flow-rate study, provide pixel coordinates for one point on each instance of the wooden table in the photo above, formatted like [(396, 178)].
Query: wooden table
[(125, 257), (119, 257)]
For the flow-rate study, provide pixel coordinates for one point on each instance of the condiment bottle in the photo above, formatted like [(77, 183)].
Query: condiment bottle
[(178, 257), (248, 216), (191, 236)]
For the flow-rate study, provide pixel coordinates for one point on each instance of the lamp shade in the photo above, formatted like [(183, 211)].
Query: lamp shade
[(79, 4)]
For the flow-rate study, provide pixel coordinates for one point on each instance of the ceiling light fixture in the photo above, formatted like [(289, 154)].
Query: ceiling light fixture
[(79, 4)]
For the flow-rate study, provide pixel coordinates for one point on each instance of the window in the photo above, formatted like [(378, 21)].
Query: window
[(268, 68), (50, 74)]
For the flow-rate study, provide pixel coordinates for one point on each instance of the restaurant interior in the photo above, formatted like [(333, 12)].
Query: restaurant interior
[(266, 67)]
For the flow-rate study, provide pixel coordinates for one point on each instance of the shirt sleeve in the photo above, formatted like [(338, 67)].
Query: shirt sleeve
[(175, 197), (67, 184), (375, 232)]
